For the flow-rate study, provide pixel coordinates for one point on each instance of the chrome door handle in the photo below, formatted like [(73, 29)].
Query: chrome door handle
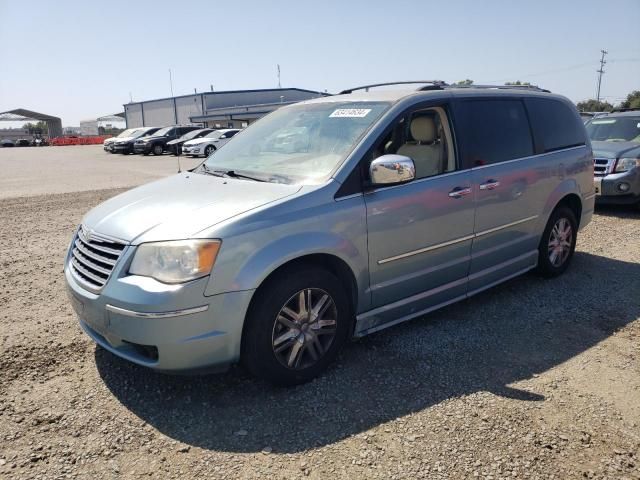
[(489, 185), (459, 192)]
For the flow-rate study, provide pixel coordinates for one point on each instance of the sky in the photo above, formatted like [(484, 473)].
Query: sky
[(83, 59)]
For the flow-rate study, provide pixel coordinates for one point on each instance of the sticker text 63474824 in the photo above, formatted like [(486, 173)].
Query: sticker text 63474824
[(350, 113)]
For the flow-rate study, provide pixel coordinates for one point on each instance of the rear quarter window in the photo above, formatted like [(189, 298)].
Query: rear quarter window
[(555, 124), (492, 131)]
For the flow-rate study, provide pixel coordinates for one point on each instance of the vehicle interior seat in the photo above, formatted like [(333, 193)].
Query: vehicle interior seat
[(425, 149)]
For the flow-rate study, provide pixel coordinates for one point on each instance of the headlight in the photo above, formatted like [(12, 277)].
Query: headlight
[(626, 164), (175, 262)]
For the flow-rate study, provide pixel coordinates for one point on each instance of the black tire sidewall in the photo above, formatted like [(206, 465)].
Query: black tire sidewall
[(209, 150), (257, 351), (545, 267), (155, 147)]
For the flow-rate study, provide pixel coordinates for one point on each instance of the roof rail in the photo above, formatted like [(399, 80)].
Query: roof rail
[(632, 109), (503, 87), (433, 85)]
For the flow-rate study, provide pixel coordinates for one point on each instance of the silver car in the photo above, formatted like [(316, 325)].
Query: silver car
[(331, 219)]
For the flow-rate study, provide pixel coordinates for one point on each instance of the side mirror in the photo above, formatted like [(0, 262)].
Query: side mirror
[(391, 169)]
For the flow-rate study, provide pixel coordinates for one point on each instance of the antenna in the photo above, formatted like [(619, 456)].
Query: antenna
[(171, 82), (279, 85)]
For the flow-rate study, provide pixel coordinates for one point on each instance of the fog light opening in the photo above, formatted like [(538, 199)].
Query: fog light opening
[(623, 187)]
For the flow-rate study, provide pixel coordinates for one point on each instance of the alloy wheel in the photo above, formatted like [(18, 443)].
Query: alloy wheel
[(560, 242), (304, 328)]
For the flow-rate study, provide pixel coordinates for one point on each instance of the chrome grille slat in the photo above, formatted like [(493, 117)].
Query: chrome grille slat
[(88, 253), (603, 166), (97, 280), (93, 259), (86, 261)]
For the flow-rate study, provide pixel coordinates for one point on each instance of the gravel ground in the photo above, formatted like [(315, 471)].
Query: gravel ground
[(533, 379)]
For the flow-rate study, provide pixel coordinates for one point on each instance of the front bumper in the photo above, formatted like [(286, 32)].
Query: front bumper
[(191, 150), (123, 148), (611, 191), (141, 148), (173, 328)]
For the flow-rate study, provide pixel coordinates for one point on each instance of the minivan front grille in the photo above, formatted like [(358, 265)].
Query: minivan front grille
[(93, 257), (603, 166)]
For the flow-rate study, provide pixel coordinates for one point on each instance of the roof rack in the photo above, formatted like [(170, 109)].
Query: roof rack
[(502, 87), (633, 109), (441, 85), (433, 85)]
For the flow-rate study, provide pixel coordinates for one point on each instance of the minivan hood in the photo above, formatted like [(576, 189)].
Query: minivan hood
[(180, 206), (615, 149)]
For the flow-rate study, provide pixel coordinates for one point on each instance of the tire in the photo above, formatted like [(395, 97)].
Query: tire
[(558, 242), (157, 149), (284, 349), (209, 150)]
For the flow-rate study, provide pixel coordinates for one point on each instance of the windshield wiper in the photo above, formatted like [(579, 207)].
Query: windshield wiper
[(234, 174)]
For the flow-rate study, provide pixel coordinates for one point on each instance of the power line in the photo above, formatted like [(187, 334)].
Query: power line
[(600, 73)]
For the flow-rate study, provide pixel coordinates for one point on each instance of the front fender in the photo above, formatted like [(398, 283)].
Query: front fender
[(261, 263)]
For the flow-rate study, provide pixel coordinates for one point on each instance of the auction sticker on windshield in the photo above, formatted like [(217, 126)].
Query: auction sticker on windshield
[(350, 113)]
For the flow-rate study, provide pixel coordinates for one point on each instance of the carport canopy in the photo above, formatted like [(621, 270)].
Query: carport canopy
[(54, 124)]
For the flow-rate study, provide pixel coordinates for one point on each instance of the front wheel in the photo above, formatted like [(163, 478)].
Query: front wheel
[(209, 150), (157, 149), (558, 242), (296, 326)]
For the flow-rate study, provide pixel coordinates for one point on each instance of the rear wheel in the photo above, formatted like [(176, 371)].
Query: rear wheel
[(558, 242), (296, 326), (209, 150)]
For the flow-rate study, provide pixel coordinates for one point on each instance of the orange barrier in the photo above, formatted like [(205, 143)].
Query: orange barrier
[(93, 140)]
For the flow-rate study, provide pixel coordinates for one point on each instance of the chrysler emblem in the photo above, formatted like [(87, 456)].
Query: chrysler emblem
[(87, 233)]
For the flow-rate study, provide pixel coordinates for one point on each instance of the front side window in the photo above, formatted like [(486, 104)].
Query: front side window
[(492, 131), (301, 144), (555, 125), (425, 137), (614, 129)]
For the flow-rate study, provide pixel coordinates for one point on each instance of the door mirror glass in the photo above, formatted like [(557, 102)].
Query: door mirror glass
[(391, 169)]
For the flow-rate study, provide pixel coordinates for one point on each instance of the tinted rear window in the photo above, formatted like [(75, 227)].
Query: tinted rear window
[(555, 125), (492, 131)]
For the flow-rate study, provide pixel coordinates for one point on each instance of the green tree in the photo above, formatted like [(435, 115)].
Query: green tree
[(517, 82), (593, 105), (632, 101), (468, 81), (40, 127)]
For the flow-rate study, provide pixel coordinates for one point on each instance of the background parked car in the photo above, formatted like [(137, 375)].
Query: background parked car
[(23, 142), (157, 143), (615, 139), (175, 146), (125, 145), (206, 145), (7, 142), (107, 145)]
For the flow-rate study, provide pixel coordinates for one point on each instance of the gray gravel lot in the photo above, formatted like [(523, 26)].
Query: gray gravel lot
[(533, 379)]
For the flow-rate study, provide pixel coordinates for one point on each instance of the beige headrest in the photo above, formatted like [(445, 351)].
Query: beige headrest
[(423, 129)]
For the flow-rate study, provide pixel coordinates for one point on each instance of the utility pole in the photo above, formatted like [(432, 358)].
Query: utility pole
[(600, 72), (279, 86), (171, 82)]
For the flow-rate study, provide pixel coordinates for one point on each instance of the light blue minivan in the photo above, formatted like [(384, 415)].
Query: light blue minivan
[(331, 219)]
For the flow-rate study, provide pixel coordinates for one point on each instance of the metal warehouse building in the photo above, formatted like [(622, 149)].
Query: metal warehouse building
[(236, 108)]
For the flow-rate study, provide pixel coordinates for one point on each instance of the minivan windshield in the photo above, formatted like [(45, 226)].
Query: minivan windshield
[(126, 133), (299, 144), (193, 134), (614, 129), (163, 131), (214, 134)]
